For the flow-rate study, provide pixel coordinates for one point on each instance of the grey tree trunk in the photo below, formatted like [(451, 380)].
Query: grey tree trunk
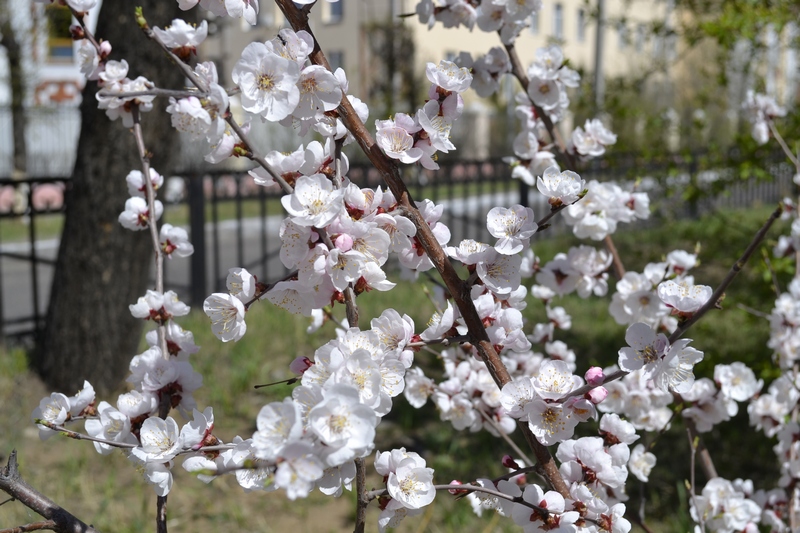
[(101, 267), (17, 81)]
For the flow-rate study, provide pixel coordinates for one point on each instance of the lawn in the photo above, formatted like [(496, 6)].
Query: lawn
[(108, 493)]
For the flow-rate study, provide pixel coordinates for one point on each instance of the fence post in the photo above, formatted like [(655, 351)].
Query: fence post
[(523, 193), (197, 228)]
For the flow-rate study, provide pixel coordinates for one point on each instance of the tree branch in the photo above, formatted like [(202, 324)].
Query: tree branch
[(734, 271), (34, 526), (455, 285), (11, 483)]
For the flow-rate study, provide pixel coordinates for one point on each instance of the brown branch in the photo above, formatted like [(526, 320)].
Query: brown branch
[(734, 271), (784, 146), (506, 438), (518, 72), (151, 220), (455, 285), (619, 268), (362, 497), (198, 82), (161, 514), (11, 483), (34, 526), (705, 457)]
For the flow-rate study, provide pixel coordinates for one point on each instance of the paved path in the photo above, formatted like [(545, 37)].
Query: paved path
[(466, 217)]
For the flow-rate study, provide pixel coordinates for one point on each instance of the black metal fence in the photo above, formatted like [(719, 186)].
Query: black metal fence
[(234, 222)]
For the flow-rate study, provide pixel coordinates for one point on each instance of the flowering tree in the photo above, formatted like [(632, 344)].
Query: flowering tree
[(335, 241)]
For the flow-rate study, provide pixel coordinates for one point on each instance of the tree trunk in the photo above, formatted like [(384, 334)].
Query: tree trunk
[(16, 78), (101, 267)]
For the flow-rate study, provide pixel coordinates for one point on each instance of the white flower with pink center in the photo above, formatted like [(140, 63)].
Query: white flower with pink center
[(314, 201), (268, 82)]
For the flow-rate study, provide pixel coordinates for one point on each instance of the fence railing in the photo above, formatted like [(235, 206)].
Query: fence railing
[(233, 222)]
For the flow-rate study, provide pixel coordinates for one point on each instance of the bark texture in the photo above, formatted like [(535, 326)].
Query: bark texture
[(102, 268), (16, 80)]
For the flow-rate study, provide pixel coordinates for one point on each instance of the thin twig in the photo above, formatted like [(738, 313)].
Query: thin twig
[(772, 273), (256, 157), (734, 271), (475, 488), (155, 91), (784, 146), (518, 72), (198, 82), (260, 294), (705, 457), (123, 445), (351, 308), (638, 521), (151, 220), (80, 436), (34, 526), (445, 341), (506, 438), (619, 268), (87, 34), (542, 223), (750, 310), (692, 454)]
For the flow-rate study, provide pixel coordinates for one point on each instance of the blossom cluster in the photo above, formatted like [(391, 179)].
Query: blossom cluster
[(760, 109), (336, 241), (412, 139), (508, 18), (661, 294)]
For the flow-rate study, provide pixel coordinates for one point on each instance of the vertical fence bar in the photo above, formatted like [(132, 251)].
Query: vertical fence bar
[(215, 229), (34, 263), (239, 222), (198, 288), (524, 193), (2, 307), (262, 204)]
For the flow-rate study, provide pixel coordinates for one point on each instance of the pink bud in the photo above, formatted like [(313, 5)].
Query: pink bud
[(509, 462), (300, 365), (456, 491), (594, 376), (344, 242), (105, 48), (597, 395)]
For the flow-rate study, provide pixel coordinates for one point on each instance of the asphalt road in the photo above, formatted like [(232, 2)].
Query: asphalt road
[(239, 245)]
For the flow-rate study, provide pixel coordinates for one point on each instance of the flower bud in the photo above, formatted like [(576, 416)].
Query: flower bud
[(597, 395), (344, 242), (456, 491), (509, 462), (300, 365), (594, 376), (105, 49), (76, 32)]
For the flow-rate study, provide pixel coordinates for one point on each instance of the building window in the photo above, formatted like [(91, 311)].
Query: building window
[(535, 22), (622, 35), (558, 21), (581, 25), (336, 59), (333, 12), (641, 37), (59, 39)]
